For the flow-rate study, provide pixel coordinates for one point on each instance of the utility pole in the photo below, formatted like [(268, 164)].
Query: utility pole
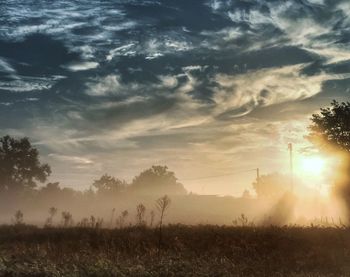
[(257, 181), (290, 148)]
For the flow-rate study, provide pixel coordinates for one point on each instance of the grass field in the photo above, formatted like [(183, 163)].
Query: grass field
[(185, 251)]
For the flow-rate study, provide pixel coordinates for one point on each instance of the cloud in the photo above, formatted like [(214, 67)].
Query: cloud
[(317, 2), (112, 85), (165, 44), (71, 159), (144, 86), (317, 34), (81, 66), (241, 93), (253, 17), (124, 50), (214, 4), (27, 84), (344, 6), (168, 81), (6, 67), (310, 25), (150, 48), (109, 85)]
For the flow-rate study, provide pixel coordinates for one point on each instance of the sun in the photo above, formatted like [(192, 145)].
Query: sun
[(313, 165)]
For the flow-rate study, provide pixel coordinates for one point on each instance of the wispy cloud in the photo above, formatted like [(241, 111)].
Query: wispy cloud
[(6, 67), (82, 66), (26, 84), (71, 159), (109, 85), (266, 87), (199, 83)]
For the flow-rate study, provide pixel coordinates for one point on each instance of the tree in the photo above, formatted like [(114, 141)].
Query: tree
[(330, 132), (52, 213), (152, 215), (157, 180), (51, 189), (271, 185), (18, 219), (330, 129), (162, 204), (109, 184), (67, 219), (122, 218), (20, 167), (246, 194), (140, 214)]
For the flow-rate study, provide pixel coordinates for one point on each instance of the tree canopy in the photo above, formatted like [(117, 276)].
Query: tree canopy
[(109, 184), (330, 129), (271, 185), (157, 180), (20, 167)]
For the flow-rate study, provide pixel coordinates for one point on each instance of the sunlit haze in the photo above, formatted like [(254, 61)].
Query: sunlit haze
[(313, 165)]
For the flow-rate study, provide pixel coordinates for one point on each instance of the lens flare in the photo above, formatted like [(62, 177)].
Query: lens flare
[(313, 165)]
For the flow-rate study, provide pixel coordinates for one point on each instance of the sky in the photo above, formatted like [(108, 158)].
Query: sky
[(208, 88)]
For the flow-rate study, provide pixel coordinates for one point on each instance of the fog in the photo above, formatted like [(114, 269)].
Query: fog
[(106, 204)]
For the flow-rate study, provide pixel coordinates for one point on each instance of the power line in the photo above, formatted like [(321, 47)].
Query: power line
[(215, 176)]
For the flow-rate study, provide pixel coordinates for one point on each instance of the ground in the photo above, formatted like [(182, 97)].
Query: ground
[(185, 251)]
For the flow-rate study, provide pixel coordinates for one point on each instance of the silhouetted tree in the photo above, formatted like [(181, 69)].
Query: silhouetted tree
[(162, 204), (271, 185), (246, 194), (157, 180), (152, 215), (52, 194), (112, 218), (243, 220), (89, 194), (18, 219), (122, 218), (140, 214), (50, 190), (330, 129), (108, 184), (330, 132), (93, 221), (20, 167), (84, 223), (52, 213), (67, 219)]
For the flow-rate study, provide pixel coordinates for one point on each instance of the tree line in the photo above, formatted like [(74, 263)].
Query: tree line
[(21, 169)]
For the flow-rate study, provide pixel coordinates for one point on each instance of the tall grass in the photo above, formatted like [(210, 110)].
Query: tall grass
[(202, 250)]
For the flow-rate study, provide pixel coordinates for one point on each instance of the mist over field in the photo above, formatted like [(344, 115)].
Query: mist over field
[(108, 198)]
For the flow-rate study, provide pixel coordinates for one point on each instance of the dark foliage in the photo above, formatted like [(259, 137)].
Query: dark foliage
[(330, 129), (330, 132), (109, 185), (157, 180), (20, 167)]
